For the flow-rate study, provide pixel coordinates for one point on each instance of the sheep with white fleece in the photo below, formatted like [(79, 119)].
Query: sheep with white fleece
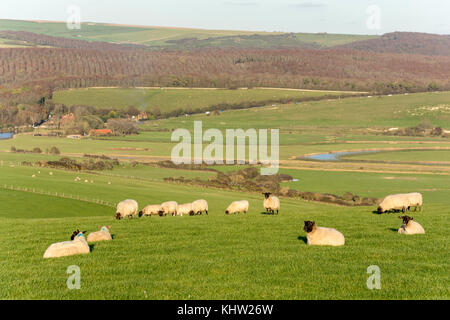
[(237, 207), (271, 203), (151, 210), (185, 209), (320, 236), (169, 207), (410, 227), (415, 200), (394, 202), (200, 206), (127, 208), (102, 235), (77, 245)]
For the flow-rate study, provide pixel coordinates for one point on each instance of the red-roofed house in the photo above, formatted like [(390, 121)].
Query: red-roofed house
[(101, 132)]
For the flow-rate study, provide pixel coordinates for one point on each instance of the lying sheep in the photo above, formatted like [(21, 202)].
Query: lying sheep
[(77, 245), (127, 208), (410, 227), (169, 207), (415, 200), (271, 203), (320, 236), (151, 210), (237, 207), (102, 235), (185, 208), (200, 206)]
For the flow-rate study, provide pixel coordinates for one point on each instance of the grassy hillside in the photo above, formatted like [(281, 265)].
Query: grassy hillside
[(170, 99), (171, 37)]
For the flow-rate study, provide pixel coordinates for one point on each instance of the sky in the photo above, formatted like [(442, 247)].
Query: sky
[(332, 16)]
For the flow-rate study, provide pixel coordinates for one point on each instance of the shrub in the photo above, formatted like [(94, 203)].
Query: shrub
[(54, 150)]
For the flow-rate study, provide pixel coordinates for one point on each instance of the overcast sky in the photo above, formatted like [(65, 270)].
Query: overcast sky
[(332, 16)]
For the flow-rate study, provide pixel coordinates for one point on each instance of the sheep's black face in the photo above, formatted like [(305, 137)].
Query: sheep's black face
[(266, 194), (118, 216), (226, 212), (309, 225), (140, 214), (380, 210), (406, 219), (74, 234)]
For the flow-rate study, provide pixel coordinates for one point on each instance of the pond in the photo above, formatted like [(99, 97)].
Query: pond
[(4, 136), (334, 156)]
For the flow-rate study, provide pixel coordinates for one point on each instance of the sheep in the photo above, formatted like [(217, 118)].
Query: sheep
[(410, 227), (320, 236), (169, 207), (271, 203), (185, 208), (151, 210), (127, 208), (401, 202), (102, 235), (77, 245), (237, 207), (198, 206), (415, 200), (394, 202)]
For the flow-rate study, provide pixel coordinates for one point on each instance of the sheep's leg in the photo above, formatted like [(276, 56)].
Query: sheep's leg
[(206, 212)]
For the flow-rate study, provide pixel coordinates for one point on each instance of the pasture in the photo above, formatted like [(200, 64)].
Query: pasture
[(246, 256)]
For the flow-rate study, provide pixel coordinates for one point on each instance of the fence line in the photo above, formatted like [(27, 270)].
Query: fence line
[(57, 194)]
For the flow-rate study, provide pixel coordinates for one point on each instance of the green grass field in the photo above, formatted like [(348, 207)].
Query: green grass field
[(158, 36), (252, 256), (171, 98)]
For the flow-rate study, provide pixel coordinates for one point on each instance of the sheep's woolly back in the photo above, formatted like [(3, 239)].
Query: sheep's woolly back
[(272, 203), (415, 199), (394, 202), (169, 207), (128, 208), (78, 245), (238, 207), (411, 228), (102, 235), (321, 236), (183, 209), (151, 210), (199, 206)]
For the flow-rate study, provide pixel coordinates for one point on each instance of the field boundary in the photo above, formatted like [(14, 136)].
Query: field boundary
[(55, 194)]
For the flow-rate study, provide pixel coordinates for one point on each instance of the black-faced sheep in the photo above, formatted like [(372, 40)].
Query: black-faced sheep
[(151, 210), (200, 206), (127, 208), (77, 245), (320, 236), (169, 207), (271, 203), (237, 207), (102, 235), (410, 227)]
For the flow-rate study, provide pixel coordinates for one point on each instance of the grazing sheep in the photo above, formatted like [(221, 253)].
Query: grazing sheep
[(415, 200), (102, 235), (185, 208), (77, 245), (394, 202), (127, 208), (237, 207), (401, 202), (320, 236), (271, 203), (169, 207), (198, 206), (410, 227), (151, 210), (51, 173)]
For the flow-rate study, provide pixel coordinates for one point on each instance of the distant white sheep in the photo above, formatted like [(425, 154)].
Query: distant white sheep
[(401, 202), (151, 210), (77, 245), (271, 203), (200, 206), (410, 227), (320, 236), (169, 207), (237, 207), (185, 209), (127, 208), (102, 235)]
